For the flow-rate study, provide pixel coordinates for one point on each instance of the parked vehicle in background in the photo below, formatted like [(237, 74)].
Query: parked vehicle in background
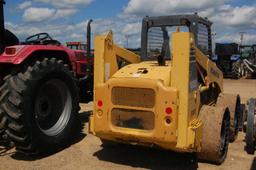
[(39, 93), (226, 54), (246, 65)]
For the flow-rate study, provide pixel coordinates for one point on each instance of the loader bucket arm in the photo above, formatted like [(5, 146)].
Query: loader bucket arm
[(213, 73), (106, 55)]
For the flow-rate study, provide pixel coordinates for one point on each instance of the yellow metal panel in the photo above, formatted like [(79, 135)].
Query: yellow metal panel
[(153, 71), (126, 54), (99, 45), (181, 46), (214, 74), (105, 57), (165, 97)]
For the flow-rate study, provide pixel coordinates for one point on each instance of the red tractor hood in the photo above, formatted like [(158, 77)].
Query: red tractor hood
[(18, 53)]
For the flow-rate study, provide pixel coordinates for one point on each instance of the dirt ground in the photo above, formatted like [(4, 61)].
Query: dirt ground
[(86, 151)]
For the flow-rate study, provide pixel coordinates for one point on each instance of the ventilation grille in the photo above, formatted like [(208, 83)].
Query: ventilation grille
[(133, 97)]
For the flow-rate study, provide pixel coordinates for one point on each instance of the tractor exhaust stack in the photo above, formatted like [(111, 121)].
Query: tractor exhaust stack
[(89, 38), (2, 28)]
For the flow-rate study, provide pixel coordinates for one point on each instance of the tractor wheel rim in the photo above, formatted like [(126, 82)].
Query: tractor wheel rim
[(53, 104), (224, 136), (237, 115)]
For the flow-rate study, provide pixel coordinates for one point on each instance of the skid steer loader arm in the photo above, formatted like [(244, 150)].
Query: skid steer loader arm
[(107, 55)]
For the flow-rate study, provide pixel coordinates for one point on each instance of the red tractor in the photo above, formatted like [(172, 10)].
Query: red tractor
[(77, 46), (39, 93)]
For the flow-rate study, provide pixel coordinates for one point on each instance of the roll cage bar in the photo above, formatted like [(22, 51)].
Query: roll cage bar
[(191, 21)]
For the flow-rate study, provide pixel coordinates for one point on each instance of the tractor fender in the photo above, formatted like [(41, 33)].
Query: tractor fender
[(24, 52)]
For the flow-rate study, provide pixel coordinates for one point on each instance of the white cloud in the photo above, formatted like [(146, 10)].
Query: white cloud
[(33, 14), (249, 38), (77, 36), (167, 7), (22, 31), (76, 32), (132, 28), (244, 16), (42, 14), (65, 3), (227, 20), (24, 5), (61, 13)]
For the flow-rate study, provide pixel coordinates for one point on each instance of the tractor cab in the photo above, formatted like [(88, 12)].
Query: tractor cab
[(77, 46)]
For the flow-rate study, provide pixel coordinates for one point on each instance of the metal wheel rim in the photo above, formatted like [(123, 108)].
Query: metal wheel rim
[(57, 118), (224, 136), (237, 115)]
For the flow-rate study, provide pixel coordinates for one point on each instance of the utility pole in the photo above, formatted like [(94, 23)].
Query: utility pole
[(213, 41), (127, 40), (241, 37)]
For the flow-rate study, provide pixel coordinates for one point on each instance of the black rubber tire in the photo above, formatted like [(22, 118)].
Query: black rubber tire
[(242, 118), (86, 90), (3, 118), (19, 99), (250, 129), (108, 143), (233, 102), (3, 123), (215, 137)]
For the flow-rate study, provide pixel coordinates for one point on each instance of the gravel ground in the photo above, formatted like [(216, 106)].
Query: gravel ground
[(86, 151)]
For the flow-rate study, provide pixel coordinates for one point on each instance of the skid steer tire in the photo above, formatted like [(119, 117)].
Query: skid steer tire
[(108, 143), (215, 137), (250, 127), (233, 103), (41, 104), (242, 118)]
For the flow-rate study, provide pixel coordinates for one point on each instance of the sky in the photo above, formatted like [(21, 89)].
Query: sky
[(66, 20)]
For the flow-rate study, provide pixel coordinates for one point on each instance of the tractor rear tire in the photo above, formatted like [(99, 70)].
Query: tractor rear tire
[(41, 104), (215, 137), (236, 70), (3, 123), (3, 119), (233, 102)]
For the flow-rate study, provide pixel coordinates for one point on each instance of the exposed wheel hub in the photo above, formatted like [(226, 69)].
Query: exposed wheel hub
[(43, 107), (53, 105)]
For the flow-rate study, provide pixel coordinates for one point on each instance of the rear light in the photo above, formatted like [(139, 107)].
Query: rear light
[(100, 103), (10, 51), (13, 50), (168, 110)]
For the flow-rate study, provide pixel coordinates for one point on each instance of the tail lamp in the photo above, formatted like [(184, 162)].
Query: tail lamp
[(168, 110), (13, 50), (10, 50), (100, 103)]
